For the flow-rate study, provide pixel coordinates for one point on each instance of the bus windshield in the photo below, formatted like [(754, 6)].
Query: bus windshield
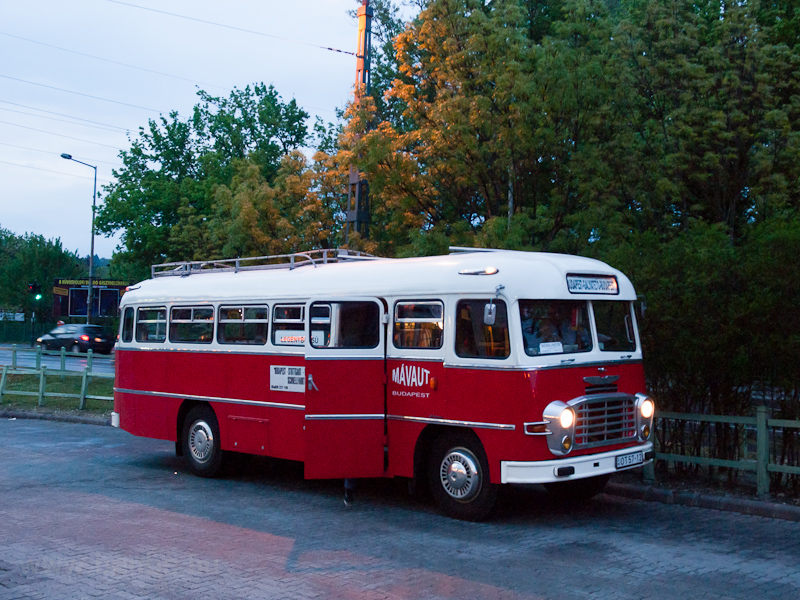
[(614, 326), (555, 326)]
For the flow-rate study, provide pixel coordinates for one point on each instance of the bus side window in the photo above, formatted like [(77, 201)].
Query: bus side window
[(151, 324), (474, 338), (243, 325), (127, 325), (288, 325), (349, 325), (194, 325), (418, 325), (320, 325)]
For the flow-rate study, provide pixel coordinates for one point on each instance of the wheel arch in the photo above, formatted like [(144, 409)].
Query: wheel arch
[(186, 406), (422, 449)]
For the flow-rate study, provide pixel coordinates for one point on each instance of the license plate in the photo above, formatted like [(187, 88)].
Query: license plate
[(630, 460)]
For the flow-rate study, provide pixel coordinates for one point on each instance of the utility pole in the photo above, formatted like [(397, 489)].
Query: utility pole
[(357, 216)]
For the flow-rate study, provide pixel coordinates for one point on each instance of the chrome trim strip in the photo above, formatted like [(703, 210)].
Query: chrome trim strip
[(217, 349), (603, 363), (415, 358), (300, 353), (345, 417), (372, 357), (490, 367), (544, 423), (212, 399), (525, 367), (437, 421)]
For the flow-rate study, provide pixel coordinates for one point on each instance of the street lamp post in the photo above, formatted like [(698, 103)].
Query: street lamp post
[(91, 253)]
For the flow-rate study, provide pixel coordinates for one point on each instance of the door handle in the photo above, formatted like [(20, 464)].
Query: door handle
[(311, 384)]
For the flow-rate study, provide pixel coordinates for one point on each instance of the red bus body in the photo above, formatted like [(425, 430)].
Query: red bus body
[(368, 408)]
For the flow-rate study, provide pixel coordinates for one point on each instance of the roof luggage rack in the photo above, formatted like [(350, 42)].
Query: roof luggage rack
[(277, 261), (463, 249)]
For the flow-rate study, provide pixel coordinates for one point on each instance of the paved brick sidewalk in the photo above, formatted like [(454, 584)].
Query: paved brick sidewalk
[(94, 512)]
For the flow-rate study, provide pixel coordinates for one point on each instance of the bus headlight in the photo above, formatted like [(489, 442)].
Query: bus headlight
[(560, 420), (567, 418), (645, 410)]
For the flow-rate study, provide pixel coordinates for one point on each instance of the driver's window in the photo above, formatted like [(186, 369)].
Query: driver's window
[(476, 339)]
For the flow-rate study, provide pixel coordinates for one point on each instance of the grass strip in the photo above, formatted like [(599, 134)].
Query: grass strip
[(58, 384)]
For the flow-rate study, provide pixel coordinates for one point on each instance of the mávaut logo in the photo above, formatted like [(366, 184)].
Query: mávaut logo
[(410, 376)]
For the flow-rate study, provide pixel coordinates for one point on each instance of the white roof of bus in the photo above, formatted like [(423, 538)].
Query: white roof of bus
[(533, 275)]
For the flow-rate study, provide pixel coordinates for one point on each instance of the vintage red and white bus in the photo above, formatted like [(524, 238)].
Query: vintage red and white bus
[(464, 371)]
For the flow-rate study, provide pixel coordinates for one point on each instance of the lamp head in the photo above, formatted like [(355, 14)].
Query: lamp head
[(67, 156)]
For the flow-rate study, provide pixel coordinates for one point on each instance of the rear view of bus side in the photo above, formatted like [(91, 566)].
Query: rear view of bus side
[(461, 372)]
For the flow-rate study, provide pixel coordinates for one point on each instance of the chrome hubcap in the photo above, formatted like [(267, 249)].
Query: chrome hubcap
[(459, 475), (201, 441)]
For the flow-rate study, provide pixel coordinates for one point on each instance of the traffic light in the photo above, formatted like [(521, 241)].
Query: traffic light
[(35, 290)]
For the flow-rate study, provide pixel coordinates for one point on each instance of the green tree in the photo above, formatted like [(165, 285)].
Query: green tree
[(164, 194), (28, 258), (492, 124)]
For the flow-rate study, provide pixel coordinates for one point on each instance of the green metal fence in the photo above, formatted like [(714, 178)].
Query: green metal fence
[(42, 372), (758, 462)]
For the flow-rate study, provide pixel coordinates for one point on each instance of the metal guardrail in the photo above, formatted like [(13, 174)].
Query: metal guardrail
[(62, 353), (42, 372), (761, 465)]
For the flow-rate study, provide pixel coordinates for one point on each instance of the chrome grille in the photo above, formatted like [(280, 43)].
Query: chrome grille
[(604, 420), (601, 389)]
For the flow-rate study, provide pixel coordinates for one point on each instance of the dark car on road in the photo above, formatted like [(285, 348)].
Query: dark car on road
[(77, 338)]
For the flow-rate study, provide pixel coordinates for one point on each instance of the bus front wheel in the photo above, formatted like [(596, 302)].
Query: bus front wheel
[(201, 443), (459, 477)]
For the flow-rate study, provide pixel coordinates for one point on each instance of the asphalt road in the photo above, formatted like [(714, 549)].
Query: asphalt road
[(91, 511), (26, 357)]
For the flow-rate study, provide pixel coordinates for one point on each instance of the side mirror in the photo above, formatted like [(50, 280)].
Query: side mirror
[(642, 304), (489, 314)]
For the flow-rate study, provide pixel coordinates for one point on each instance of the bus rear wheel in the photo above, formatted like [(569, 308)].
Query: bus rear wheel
[(459, 477), (201, 442)]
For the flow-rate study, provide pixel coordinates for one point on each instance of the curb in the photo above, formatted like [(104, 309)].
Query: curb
[(771, 510), (17, 414)]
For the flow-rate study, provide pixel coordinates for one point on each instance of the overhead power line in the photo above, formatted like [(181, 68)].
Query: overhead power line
[(52, 153), (81, 94), (50, 112), (60, 135), (5, 162), (21, 112), (113, 62), (232, 27)]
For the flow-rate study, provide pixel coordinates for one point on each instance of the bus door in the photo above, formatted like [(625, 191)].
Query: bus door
[(345, 388)]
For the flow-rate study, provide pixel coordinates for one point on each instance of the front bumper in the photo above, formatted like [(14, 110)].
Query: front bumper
[(588, 465)]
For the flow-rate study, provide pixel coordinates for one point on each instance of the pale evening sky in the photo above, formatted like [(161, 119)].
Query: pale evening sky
[(79, 76)]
